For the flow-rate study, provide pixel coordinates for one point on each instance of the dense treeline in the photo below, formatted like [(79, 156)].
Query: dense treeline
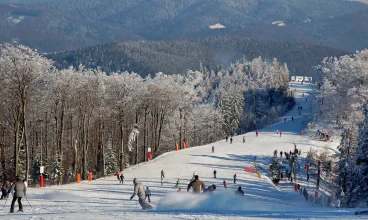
[(81, 121), (56, 25), (177, 56), (342, 103)]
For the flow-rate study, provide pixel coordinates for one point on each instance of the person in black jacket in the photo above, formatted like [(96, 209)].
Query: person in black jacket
[(239, 191)]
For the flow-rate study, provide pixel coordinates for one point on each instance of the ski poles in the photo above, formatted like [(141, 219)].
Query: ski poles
[(6, 201), (29, 204)]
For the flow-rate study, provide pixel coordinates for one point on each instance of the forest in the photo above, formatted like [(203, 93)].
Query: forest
[(83, 120), (341, 105), (177, 56)]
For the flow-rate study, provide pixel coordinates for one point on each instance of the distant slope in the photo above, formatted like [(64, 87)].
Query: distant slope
[(56, 25), (176, 56)]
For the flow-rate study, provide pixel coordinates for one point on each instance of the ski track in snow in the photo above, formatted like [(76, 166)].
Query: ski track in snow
[(105, 198)]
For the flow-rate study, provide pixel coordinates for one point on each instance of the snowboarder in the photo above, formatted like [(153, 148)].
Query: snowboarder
[(225, 184), (19, 191), (231, 140), (292, 118), (5, 188), (239, 191), (235, 178), (243, 139), (177, 183), (140, 192), (214, 174), (227, 137), (284, 119), (210, 189), (197, 185), (162, 174), (213, 149), (256, 133), (147, 192), (281, 154), (307, 177), (122, 178)]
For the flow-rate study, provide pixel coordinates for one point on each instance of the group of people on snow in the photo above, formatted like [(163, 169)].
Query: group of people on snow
[(18, 189)]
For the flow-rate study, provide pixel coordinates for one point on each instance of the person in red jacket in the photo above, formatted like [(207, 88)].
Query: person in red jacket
[(117, 175), (256, 133), (225, 184)]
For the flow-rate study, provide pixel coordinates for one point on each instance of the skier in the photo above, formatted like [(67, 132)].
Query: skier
[(292, 118), (307, 177), (177, 183), (179, 191), (140, 192), (147, 192), (162, 174), (19, 191), (239, 191), (256, 133), (281, 154), (277, 131), (5, 188), (122, 178), (231, 140), (227, 137), (214, 174), (284, 119), (225, 184), (235, 178), (197, 185), (213, 149), (117, 174), (282, 176), (210, 189), (280, 133), (243, 139)]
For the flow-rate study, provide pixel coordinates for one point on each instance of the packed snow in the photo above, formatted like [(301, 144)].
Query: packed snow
[(105, 198)]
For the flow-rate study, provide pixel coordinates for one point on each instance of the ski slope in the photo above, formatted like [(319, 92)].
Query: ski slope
[(107, 199)]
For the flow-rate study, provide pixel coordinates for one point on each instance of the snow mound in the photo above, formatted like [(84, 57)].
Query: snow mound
[(58, 196), (217, 26), (222, 202)]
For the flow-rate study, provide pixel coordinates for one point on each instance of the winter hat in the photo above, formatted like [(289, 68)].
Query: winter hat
[(196, 177), (135, 181), (239, 188)]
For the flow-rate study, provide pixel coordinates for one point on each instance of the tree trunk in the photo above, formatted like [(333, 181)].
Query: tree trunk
[(136, 141), (122, 159), (60, 141), (25, 137)]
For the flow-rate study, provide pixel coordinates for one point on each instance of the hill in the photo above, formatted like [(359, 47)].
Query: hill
[(55, 25), (176, 56)]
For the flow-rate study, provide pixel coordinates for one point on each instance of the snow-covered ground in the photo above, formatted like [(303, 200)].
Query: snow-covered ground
[(107, 199)]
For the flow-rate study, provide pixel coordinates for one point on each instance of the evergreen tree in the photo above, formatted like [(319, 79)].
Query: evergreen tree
[(111, 164)]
